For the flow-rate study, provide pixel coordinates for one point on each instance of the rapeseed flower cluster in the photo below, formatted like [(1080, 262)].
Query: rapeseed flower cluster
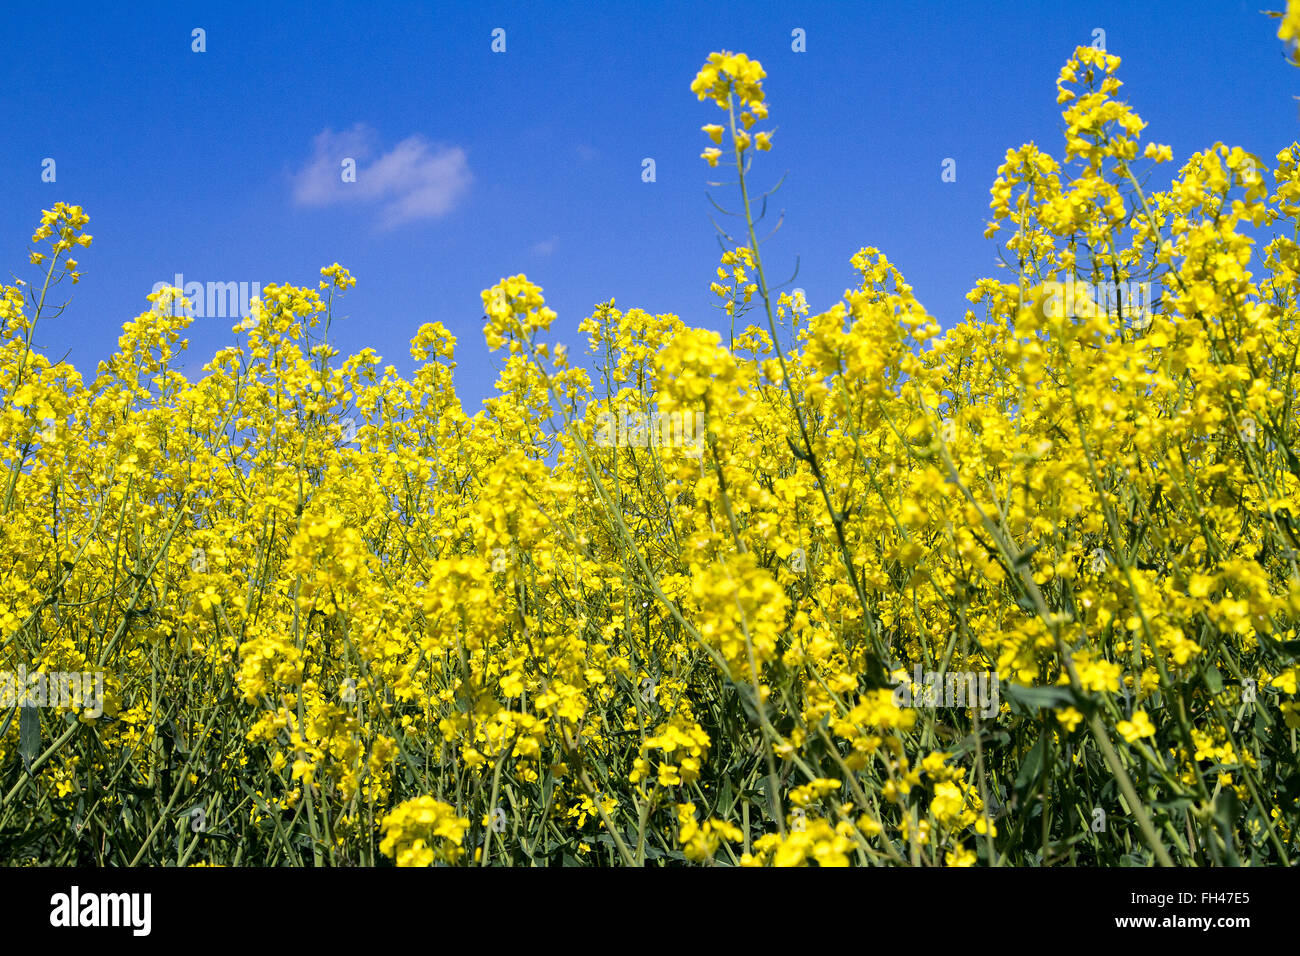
[(355, 623)]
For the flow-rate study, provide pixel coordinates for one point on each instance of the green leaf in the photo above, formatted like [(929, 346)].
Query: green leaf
[(1226, 810), (990, 740), (747, 702), (29, 735), (1032, 766), (1291, 788), (1174, 805), (1213, 680), (1026, 556), (1038, 697), (1227, 807)]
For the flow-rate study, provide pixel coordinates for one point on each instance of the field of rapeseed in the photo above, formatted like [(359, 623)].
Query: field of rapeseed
[(837, 588)]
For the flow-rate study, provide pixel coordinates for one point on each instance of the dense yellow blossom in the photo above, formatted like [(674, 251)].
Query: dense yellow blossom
[(842, 587)]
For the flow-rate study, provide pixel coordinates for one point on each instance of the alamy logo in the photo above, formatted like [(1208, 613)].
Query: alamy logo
[(953, 689), (656, 429), (1128, 300), (84, 689), (74, 909), (215, 300)]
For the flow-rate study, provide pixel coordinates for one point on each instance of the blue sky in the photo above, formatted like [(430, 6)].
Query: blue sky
[(473, 165)]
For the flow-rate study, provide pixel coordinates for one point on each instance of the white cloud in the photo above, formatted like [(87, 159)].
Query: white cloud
[(414, 180), (546, 247)]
